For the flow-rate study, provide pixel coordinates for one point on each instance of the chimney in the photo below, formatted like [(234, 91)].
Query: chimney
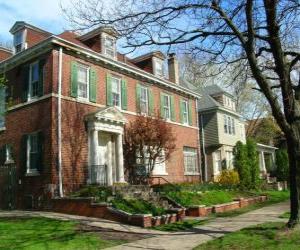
[(173, 68)]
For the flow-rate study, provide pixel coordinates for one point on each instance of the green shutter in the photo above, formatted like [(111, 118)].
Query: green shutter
[(172, 108), (74, 81), (190, 112), (23, 153), (124, 94), (138, 97), (108, 90), (40, 142), (181, 110), (41, 77), (25, 82), (151, 101), (162, 114), (93, 85), (2, 105)]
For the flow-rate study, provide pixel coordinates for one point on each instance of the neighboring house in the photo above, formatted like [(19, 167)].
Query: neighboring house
[(69, 97), (221, 127)]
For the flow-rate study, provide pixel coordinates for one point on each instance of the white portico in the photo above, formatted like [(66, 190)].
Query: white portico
[(105, 135)]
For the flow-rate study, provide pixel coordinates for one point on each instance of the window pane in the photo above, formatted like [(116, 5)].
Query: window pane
[(144, 100), (18, 38), (82, 81), (33, 153), (190, 160), (34, 72)]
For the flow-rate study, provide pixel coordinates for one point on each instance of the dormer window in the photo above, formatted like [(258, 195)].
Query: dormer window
[(109, 46), (19, 41), (158, 67)]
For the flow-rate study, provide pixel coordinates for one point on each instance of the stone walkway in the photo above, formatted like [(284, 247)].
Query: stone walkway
[(170, 241), (214, 229)]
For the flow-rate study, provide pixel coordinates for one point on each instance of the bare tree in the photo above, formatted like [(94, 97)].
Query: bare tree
[(262, 35)]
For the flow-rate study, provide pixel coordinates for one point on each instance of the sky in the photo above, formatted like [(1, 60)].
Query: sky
[(45, 14)]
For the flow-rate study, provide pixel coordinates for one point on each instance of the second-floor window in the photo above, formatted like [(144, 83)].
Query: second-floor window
[(83, 81), (144, 103), (33, 80), (185, 112), (229, 125), (116, 91), (166, 107)]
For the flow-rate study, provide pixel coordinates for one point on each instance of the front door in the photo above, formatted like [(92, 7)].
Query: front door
[(103, 138)]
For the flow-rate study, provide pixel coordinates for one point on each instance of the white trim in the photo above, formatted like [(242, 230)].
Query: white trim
[(68, 98)]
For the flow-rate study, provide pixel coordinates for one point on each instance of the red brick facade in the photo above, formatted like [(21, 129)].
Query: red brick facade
[(41, 115)]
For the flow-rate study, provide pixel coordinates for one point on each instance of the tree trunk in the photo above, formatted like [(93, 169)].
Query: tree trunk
[(293, 146)]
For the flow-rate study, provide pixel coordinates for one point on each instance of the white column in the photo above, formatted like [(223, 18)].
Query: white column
[(120, 160), (263, 164), (109, 164), (93, 153)]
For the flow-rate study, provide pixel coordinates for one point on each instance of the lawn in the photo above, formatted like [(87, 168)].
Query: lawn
[(43, 233), (265, 236)]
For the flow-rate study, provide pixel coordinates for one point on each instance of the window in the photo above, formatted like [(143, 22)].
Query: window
[(185, 112), (190, 160), (166, 107), (32, 153), (116, 91), (229, 159), (159, 166), (218, 161), (109, 46), (158, 67), (8, 154), (83, 81), (144, 103), (33, 80), (229, 125), (19, 41)]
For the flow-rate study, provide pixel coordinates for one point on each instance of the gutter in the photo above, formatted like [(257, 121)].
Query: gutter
[(98, 57), (203, 147), (59, 162)]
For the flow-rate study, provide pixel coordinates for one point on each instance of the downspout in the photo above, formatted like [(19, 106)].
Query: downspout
[(203, 147), (60, 180), (199, 142)]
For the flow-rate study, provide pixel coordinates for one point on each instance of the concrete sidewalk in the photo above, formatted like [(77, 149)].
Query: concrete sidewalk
[(201, 234)]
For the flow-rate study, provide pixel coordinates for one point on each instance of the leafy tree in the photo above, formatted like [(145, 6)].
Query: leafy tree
[(262, 35), (241, 164), (253, 162), (148, 140), (282, 165)]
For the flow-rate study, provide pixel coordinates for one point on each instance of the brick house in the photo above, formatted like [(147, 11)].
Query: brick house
[(68, 98)]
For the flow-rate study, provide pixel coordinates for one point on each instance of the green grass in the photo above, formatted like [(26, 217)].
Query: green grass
[(285, 215), (180, 226), (42, 233), (273, 197), (137, 206), (271, 236)]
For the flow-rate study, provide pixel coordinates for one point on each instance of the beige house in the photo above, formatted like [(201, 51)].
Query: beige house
[(220, 128)]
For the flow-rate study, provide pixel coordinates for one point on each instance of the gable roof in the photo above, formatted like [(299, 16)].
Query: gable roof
[(20, 24)]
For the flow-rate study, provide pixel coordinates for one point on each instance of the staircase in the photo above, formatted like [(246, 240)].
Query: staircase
[(146, 193)]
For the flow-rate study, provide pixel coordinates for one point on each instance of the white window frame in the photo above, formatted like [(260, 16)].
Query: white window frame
[(229, 125), (217, 162), (144, 101), (119, 80), (87, 69), (30, 85), (185, 112), (29, 169), (167, 108), (229, 159), (190, 154), (156, 62), (111, 49), (22, 43)]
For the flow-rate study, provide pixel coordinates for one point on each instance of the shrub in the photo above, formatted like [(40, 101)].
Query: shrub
[(99, 193), (137, 206), (241, 164), (253, 163), (282, 165), (229, 178)]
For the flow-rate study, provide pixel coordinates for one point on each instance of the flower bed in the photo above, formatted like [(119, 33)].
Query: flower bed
[(87, 207), (202, 210)]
